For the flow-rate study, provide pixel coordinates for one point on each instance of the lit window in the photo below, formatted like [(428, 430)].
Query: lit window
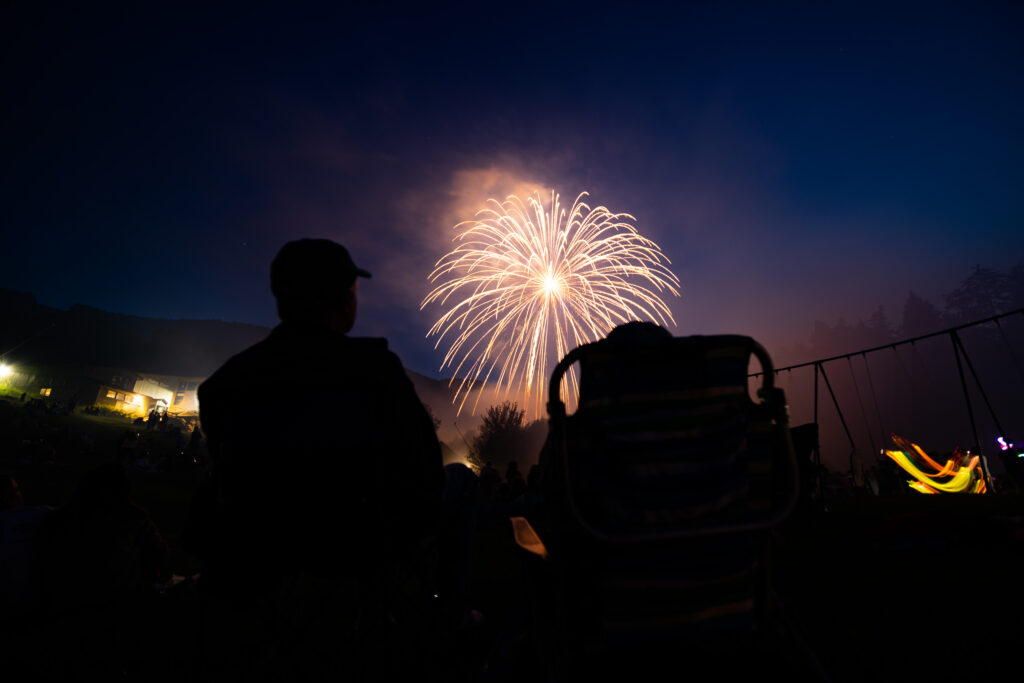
[(111, 393), (120, 396), (45, 391)]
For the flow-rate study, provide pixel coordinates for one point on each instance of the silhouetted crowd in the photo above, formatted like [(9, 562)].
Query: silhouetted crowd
[(87, 590)]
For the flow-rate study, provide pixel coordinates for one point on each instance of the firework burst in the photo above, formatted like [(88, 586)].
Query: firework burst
[(523, 277)]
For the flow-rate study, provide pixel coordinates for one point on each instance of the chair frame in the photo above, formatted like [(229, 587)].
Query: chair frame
[(770, 395)]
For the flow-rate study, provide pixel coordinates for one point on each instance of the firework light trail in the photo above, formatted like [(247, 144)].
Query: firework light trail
[(523, 277)]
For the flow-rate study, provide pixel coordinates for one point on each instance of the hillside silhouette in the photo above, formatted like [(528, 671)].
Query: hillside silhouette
[(35, 334)]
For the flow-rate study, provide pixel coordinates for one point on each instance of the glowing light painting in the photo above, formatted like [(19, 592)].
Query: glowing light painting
[(1004, 446), (525, 280), (960, 474)]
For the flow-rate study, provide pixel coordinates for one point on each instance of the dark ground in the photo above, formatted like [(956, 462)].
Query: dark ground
[(908, 587), (80, 442)]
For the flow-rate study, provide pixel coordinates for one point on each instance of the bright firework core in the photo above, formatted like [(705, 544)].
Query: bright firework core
[(526, 283)]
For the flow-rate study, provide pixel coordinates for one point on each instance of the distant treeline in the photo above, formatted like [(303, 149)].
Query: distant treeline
[(983, 293), (918, 390)]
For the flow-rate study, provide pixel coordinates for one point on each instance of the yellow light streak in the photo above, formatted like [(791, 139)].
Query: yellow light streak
[(525, 280), (955, 476)]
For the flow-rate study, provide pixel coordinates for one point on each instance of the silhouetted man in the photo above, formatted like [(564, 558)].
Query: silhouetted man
[(326, 468)]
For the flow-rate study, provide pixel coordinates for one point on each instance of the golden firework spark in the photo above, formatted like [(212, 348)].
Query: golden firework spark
[(522, 276)]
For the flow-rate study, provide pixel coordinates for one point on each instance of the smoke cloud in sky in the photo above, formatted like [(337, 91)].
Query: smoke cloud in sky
[(794, 165)]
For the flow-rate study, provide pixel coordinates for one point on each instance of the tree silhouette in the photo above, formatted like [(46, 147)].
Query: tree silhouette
[(984, 293), (920, 317), (501, 437), (879, 329), (1016, 286)]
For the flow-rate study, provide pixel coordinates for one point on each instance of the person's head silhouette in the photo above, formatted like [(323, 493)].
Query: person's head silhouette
[(314, 281)]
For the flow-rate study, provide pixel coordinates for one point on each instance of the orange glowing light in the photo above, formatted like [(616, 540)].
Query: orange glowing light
[(527, 538)]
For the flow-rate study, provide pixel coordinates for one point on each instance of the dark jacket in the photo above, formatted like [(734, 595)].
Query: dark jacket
[(324, 459)]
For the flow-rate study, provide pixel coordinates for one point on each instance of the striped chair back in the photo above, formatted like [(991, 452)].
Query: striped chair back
[(666, 440), (668, 476)]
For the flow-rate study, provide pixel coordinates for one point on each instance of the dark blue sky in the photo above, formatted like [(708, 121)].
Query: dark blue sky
[(795, 162)]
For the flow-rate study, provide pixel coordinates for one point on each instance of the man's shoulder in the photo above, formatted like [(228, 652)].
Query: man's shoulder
[(285, 353), (240, 364)]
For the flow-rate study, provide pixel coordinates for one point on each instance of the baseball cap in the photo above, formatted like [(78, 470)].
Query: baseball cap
[(312, 268)]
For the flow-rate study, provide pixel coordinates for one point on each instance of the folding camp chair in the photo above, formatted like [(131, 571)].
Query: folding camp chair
[(660, 492)]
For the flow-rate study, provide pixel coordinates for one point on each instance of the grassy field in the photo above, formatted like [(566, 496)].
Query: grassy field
[(49, 453), (901, 588), (909, 587)]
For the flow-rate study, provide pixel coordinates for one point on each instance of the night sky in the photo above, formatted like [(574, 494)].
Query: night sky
[(794, 162)]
